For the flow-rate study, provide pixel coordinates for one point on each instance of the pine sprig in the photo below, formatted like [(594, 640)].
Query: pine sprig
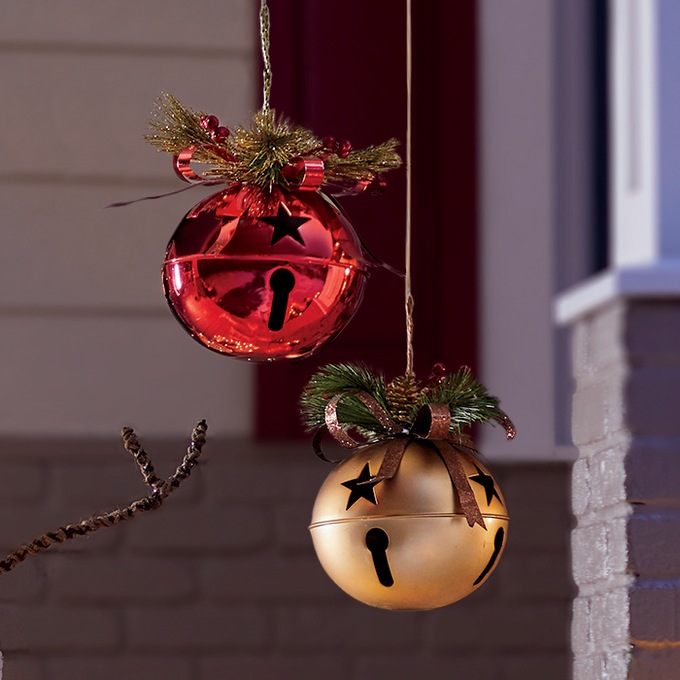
[(266, 146), (335, 379), (173, 128), (258, 153), (468, 400), (378, 159)]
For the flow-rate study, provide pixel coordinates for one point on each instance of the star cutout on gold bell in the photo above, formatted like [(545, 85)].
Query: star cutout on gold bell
[(487, 482), (359, 490)]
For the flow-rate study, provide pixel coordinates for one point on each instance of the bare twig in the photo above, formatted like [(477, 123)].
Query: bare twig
[(160, 490)]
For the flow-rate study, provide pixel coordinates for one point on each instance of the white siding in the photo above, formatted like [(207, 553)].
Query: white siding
[(87, 342)]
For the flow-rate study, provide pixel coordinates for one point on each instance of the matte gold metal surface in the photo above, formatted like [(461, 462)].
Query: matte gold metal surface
[(434, 556)]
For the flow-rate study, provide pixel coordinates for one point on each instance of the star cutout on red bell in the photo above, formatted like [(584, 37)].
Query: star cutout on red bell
[(264, 276), (285, 225)]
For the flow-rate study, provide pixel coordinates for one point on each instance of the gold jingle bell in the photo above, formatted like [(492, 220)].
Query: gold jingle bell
[(405, 542)]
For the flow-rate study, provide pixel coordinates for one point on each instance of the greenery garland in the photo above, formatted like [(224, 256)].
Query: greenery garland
[(468, 400), (259, 153)]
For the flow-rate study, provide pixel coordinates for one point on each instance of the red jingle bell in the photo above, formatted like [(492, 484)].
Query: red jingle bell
[(264, 276)]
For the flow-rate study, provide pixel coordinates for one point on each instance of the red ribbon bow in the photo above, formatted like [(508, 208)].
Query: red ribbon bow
[(302, 174)]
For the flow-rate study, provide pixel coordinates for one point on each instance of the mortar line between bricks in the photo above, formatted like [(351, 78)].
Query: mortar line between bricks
[(661, 584), (601, 586), (620, 510), (655, 644)]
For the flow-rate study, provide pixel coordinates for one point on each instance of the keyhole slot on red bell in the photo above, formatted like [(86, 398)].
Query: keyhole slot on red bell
[(282, 282), (377, 541)]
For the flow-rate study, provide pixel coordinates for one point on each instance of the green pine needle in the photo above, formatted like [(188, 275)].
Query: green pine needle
[(468, 400), (337, 379)]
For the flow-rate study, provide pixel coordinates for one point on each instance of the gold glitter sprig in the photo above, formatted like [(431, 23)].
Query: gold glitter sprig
[(173, 128), (258, 154), (365, 163), (264, 148)]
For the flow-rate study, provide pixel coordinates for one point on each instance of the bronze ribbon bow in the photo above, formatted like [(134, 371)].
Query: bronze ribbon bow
[(431, 424)]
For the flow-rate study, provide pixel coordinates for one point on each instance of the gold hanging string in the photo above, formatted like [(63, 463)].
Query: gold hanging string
[(407, 279), (264, 42)]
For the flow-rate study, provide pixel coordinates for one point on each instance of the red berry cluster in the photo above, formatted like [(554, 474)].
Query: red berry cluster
[(218, 133), (331, 145), (438, 373)]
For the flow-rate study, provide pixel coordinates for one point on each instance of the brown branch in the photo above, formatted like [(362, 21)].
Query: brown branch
[(160, 490)]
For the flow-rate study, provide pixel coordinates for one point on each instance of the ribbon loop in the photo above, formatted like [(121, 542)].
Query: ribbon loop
[(316, 445), (432, 421), (304, 174), (339, 432), (378, 412), (333, 423), (181, 165)]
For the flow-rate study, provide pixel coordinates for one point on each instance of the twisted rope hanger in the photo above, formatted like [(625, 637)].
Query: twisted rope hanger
[(159, 490), (408, 295)]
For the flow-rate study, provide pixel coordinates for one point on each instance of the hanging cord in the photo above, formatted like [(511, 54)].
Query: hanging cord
[(159, 490), (407, 279), (264, 42)]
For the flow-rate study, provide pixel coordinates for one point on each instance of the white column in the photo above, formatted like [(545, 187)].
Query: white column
[(646, 148), (633, 134), (645, 159), (626, 332), (517, 203)]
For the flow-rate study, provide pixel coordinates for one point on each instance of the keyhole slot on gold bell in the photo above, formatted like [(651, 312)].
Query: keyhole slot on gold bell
[(377, 541), (282, 283), (497, 547)]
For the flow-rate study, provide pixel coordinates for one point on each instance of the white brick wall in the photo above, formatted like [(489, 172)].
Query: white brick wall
[(625, 492)]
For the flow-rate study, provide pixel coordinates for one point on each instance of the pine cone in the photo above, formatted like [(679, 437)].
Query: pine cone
[(402, 396)]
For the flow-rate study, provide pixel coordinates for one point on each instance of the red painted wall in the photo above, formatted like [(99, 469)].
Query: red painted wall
[(339, 69)]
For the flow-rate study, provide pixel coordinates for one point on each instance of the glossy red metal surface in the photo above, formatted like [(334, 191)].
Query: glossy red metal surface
[(264, 276)]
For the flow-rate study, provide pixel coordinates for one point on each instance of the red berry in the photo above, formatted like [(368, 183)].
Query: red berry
[(329, 143), (220, 133), (344, 148), (209, 122), (439, 370), (298, 164), (293, 169)]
